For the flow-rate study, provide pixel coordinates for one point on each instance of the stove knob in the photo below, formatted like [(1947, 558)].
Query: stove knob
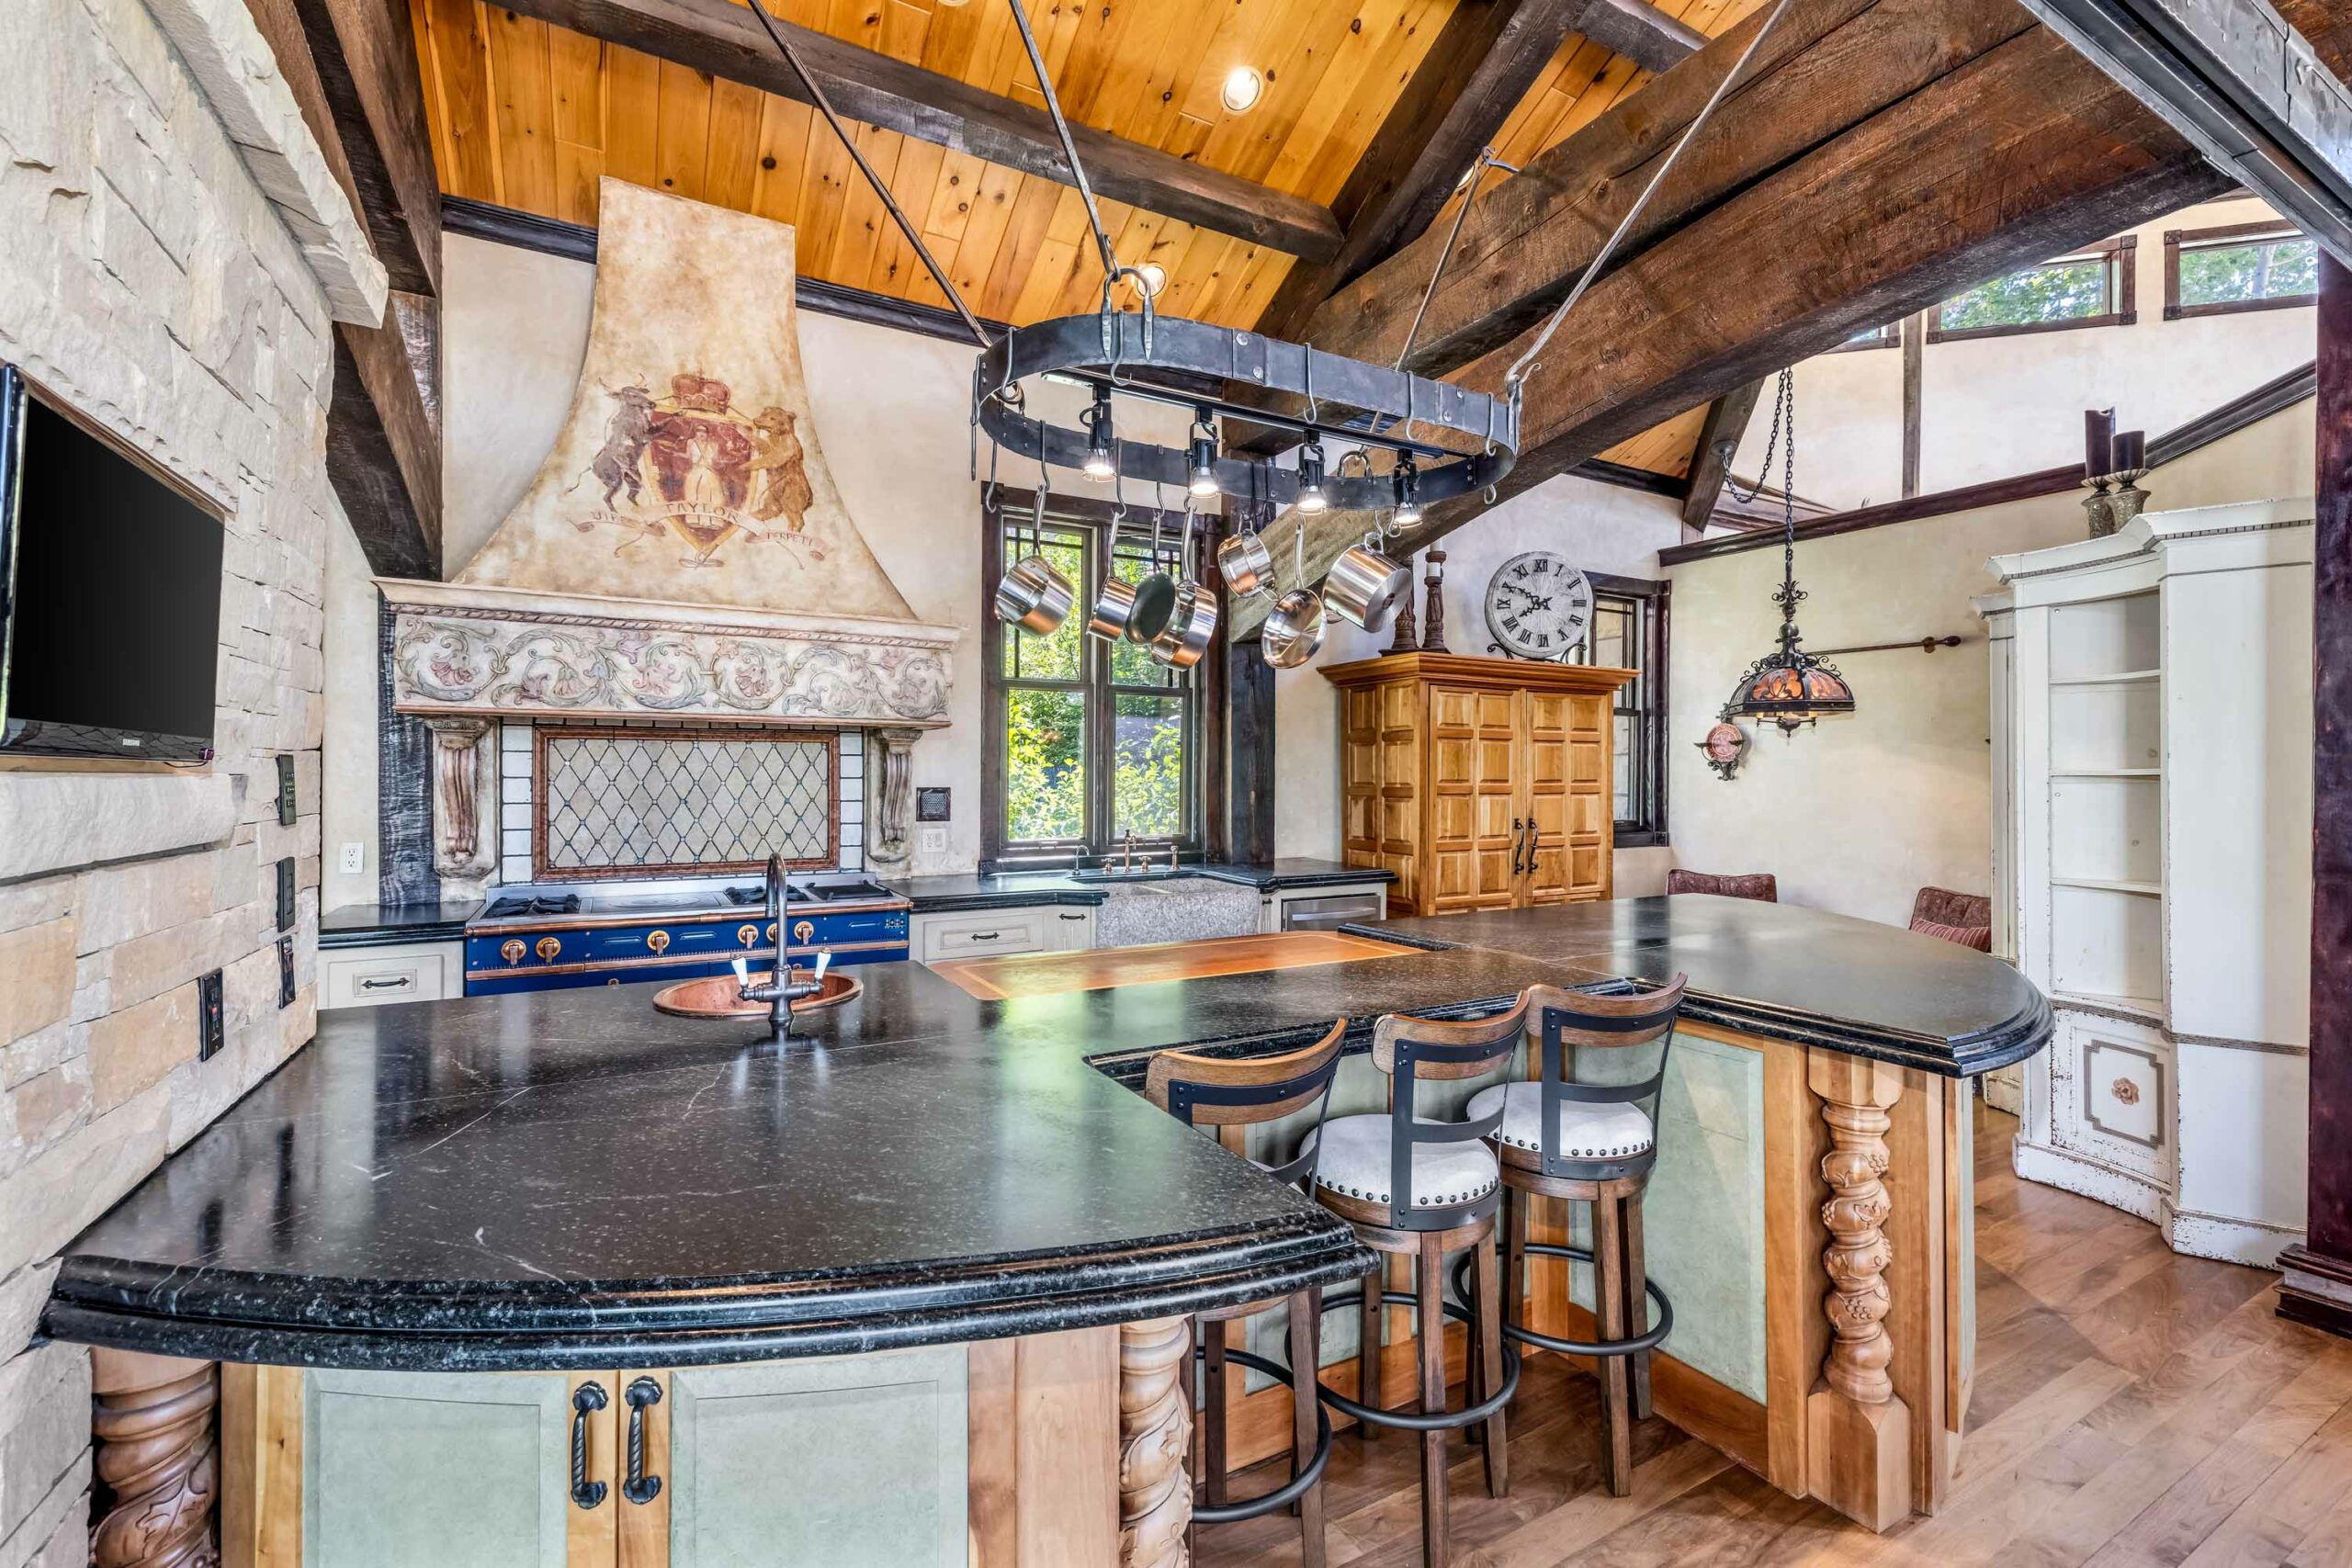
[(747, 935), (511, 950), (549, 946), (771, 930), (803, 931), (657, 940)]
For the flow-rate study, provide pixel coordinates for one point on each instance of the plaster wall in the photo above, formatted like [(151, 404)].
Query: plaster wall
[(149, 282), (1994, 407), (1599, 527), (1857, 814)]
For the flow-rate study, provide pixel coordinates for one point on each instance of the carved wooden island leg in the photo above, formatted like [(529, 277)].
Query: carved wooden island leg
[(156, 1459), (1155, 1436), (1858, 1433)]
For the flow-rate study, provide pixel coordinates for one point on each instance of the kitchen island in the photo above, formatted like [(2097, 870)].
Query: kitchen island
[(918, 1274)]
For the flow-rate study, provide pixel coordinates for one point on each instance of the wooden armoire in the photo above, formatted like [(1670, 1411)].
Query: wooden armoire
[(1483, 783)]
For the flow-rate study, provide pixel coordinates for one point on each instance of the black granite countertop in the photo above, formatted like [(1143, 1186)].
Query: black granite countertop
[(568, 1179), (1289, 871), (378, 925), (1006, 890)]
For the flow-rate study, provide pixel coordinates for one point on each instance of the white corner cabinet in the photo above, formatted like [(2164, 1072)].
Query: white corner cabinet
[(399, 972), (2152, 734)]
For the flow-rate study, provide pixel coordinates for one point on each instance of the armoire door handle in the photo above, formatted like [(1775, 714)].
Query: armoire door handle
[(1515, 826), (639, 1487), (1530, 845), (587, 1397)]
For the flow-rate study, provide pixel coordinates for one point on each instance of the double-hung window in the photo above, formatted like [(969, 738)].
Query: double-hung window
[(1090, 745), (1629, 631)]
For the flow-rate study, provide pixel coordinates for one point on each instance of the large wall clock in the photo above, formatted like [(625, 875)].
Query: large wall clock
[(1538, 606)]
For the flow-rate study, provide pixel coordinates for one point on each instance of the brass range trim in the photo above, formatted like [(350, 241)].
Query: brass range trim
[(706, 918), (681, 961)]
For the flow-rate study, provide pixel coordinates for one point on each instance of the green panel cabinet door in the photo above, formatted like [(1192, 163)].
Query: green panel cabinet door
[(857, 1463), (436, 1470)]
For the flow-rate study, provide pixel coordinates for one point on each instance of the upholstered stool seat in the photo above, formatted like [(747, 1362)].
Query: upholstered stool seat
[(1352, 1157), (1586, 1131)]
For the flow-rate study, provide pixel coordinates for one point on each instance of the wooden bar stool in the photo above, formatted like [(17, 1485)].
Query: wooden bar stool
[(1229, 1095), (1589, 1143), (1421, 1189)]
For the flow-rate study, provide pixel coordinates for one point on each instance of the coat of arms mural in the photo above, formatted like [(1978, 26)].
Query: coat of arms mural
[(689, 470)]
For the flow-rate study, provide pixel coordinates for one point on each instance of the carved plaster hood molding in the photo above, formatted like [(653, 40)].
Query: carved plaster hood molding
[(683, 552)]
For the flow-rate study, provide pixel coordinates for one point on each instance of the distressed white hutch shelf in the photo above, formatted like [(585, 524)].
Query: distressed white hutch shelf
[(2152, 733)]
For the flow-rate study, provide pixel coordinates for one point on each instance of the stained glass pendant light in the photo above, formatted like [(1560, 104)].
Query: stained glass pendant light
[(1788, 686)]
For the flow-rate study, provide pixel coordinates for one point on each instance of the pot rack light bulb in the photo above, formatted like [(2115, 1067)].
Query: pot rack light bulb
[(1154, 279), (1310, 478), (1407, 513), (1242, 89), (1203, 481), (1097, 418)]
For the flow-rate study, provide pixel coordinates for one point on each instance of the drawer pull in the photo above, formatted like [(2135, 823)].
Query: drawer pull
[(1073, 917), (588, 1397), (640, 1488), (657, 940), (549, 946), (388, 983), (984, 936), (2125, 1090), (512, 950), (747, 935)]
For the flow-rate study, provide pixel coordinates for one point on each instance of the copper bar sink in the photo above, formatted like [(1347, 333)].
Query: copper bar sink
[(716, 996)]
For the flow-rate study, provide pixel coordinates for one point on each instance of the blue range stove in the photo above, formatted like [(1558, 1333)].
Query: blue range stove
[(542, 938)]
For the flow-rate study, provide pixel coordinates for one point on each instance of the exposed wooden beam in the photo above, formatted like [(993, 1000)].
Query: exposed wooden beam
[(722, 39), (1828, 66), (384, 439), (1719, 437), (2020, 153), (364, 54), (1481, 67), (1641, 32)]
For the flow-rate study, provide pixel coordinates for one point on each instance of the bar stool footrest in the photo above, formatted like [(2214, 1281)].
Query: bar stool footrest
[(1516, 1334), (1415, 1420), (1289, 1492)]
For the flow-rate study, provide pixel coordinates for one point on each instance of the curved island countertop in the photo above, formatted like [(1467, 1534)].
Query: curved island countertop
[(569, 1180)]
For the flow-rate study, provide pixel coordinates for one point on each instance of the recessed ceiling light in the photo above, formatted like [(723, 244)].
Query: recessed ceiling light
[(1242, 87), (1154, 277)]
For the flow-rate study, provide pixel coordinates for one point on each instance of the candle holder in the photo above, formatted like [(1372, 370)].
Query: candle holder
[(2115, 499)]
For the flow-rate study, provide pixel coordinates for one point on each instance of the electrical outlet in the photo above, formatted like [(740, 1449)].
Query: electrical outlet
[(932, 841), (354, 859), (209, 1018)]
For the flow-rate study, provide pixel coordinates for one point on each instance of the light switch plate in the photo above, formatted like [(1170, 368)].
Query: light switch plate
[(932, 841), (354, 859)]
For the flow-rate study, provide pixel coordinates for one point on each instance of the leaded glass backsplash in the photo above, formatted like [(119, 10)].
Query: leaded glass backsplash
[(646, 801)]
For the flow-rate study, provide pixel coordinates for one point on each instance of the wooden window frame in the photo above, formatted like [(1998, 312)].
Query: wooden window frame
[(2177, 240), (1655, 598), (1887, 337), (2122, 257), (1207, 831), (541, 734)]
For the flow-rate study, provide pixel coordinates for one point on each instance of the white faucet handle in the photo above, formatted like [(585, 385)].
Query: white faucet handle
[(824, 962), (743, 971)]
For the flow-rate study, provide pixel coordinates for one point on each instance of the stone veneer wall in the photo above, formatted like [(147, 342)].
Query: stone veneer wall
[(148, 280)]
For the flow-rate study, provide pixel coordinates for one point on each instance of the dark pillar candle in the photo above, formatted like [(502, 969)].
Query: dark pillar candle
[(2318, 1284), (2130, 452), (2099, 441)]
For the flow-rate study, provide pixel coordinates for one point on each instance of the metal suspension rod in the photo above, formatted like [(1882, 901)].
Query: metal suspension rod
[(906, 226), (1526, 362), (1070, 148), (1485, 161)]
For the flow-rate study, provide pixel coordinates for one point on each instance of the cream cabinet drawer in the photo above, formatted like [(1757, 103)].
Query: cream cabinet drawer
[(372, 977), (982, 933)]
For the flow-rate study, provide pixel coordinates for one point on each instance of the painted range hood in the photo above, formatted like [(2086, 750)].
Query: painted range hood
[(682, 553)]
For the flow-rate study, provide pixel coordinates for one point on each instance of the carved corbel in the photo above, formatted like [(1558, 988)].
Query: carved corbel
[(894, 795), (465, 782), (1155, 1438), (151, 1420)]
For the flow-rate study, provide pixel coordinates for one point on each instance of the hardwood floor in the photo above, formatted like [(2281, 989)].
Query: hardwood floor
[(2132, 1407)]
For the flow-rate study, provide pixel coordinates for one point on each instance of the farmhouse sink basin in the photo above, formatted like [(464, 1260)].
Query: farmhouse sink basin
[(714, 996), (1110, 873)]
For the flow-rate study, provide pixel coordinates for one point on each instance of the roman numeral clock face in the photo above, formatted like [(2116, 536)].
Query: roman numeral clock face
[(1538, 606)]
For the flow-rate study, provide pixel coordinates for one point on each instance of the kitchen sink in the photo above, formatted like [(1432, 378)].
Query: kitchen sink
[(1141, 873), (716, 996)]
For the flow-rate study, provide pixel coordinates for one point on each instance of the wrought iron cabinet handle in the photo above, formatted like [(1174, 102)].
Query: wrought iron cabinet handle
[(1516, 825), (587, 1397), (1530, 846), (640, 1488)]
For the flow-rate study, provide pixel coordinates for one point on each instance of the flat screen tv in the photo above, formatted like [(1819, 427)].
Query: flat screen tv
[(109, 595)]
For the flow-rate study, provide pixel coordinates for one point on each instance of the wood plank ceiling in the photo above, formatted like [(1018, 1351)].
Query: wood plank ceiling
[(529, 115)]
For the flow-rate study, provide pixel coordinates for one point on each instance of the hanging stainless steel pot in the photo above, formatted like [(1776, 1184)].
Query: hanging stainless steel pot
[(1244, 563), (1364, 585), (1294, 630), (1114, 602), (1033, 595), (1154, 598), (1190, 628)]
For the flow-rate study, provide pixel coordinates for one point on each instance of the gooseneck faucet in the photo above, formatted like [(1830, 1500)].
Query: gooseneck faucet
[(783, 993)]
